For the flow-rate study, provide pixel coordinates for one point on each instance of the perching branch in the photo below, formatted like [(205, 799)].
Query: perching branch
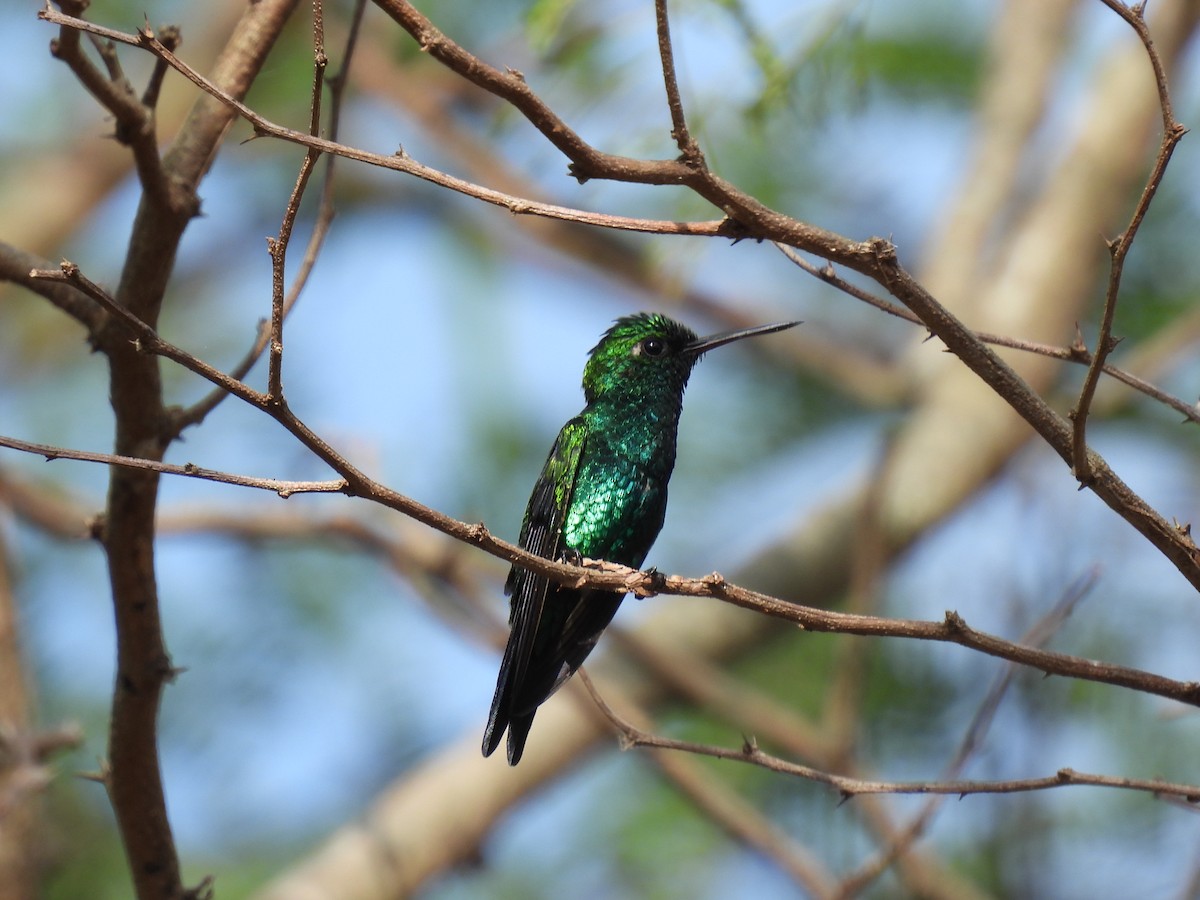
[(612, 577)]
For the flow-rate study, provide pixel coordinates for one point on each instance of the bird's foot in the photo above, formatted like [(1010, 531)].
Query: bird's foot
[(649, 583)]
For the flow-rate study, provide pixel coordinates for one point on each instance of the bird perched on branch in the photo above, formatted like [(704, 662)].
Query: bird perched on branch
[(602, 494)]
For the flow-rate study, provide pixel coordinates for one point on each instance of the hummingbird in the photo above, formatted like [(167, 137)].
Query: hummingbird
[(602, 494)]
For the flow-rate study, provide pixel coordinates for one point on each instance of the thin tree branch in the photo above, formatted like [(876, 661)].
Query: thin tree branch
[(729, 811), (636, 736), (278, 245), (1036, 636), (689, 150), (196, 413), (1076, 353), (146, 340), (851, 787), (134, 118), (401, 161), (284, 489), (1173, 132), (610, 576), (16, 265)]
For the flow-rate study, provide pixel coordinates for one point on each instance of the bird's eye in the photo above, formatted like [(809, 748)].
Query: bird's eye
[(654, 346)]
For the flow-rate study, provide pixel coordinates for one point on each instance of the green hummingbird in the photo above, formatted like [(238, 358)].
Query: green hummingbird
[(602, 494)]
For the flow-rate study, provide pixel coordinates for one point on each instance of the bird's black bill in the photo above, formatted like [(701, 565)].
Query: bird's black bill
[(704, 344)]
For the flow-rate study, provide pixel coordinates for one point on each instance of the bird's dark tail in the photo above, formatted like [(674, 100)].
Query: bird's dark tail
[(518, 731), (501, 719), (497, 719)]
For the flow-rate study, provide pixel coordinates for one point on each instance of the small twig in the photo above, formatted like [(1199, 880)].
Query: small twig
[(134, 120), (278, 245), (689, 150), (171, 38), (706, 686), (148, 340), (284, 489), (196, 413), (1036, 636), (851, 787), (1119, 247), (738, 818)]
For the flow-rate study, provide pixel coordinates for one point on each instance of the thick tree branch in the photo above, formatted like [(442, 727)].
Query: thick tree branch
[(143, 428)]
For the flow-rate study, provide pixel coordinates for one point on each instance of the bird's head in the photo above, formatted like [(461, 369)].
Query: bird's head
[(650, 352)]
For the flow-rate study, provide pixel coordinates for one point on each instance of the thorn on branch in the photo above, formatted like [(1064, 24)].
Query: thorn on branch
[(202, 891), (102, 775), (1078, 347), (575, 170), (168, 670)]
